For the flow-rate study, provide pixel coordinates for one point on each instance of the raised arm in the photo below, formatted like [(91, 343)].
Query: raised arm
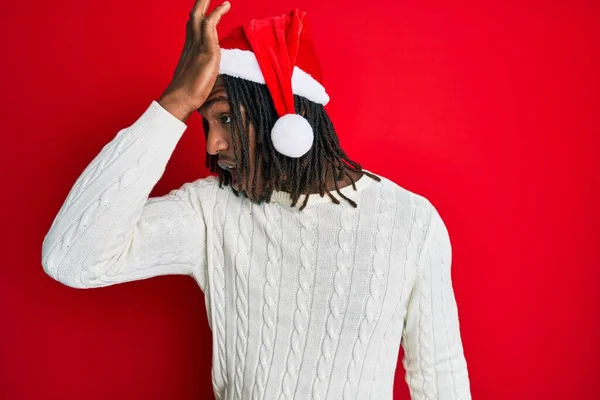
[(434, 361), (108, 229)]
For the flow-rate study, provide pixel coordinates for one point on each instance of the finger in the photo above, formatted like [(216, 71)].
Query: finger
[(189, 33), (197, 15), (186, 46), (209, 26), (217, 13)]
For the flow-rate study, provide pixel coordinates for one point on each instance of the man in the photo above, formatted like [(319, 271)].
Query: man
[(313, 268)]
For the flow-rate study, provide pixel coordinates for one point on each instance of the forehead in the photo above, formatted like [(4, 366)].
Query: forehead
[(217, 95), (219, 86)]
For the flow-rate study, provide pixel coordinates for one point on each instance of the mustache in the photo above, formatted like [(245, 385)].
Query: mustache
[(225, 159)]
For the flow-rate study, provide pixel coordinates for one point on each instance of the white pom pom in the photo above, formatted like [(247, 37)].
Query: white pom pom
[(292, 135)]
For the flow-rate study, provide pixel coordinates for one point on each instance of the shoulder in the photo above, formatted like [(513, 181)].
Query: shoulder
[(403, 194), (202, 188), (206, 183), (416, 206)]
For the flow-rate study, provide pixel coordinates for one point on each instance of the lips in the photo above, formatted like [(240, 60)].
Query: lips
[(226, 165), (231, 168)]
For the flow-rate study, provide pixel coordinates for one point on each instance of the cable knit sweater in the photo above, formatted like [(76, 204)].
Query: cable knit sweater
[(310, 304)]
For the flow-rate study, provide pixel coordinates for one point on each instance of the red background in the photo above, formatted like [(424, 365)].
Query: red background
[(489, 109)]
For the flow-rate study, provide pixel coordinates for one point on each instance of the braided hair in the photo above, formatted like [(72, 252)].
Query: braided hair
[(279, 172)]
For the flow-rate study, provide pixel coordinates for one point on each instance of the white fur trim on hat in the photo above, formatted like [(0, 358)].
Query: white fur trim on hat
[(243, 64), (292, 135)]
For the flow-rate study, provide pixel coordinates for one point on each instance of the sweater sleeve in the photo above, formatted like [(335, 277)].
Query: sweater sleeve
[(434, 361), (109, 231)]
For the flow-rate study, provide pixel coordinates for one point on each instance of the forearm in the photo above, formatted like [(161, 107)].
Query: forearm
[(93, 225)]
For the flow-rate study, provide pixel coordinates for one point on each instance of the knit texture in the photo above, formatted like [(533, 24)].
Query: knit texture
[(310, 304)]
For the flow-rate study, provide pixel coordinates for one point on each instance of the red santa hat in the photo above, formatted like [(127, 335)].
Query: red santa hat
[(279, 52)]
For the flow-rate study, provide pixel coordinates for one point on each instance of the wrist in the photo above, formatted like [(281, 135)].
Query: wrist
[(175, 105)]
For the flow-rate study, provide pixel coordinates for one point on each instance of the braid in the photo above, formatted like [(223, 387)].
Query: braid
[(294, 175)]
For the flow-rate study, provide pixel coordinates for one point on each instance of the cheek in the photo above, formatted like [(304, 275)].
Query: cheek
[(252, 147), (252, 139)]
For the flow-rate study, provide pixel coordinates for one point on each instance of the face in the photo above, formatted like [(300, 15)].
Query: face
[(221, 136)]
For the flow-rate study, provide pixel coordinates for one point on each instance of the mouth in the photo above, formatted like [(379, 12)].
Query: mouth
[(231, 168), (226, 165)]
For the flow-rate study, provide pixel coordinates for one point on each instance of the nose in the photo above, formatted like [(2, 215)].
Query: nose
[(216, 142)]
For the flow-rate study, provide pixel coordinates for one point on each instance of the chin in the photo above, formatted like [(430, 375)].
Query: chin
[(247, 195)]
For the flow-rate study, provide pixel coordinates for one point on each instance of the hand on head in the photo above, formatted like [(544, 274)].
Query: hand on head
[(198, 65)]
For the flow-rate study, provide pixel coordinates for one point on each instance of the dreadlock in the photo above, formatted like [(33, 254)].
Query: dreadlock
[(293, 175)]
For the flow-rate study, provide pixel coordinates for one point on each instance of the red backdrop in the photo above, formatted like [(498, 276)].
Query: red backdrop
[(489, 110)]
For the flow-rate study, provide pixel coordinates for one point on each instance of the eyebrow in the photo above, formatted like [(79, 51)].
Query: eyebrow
[(208, 104)]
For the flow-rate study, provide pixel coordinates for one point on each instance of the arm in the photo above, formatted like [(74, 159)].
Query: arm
[(433, 353), (108, 231)]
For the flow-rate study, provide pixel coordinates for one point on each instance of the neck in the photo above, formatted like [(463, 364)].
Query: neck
[(344, 186), (330, 183)]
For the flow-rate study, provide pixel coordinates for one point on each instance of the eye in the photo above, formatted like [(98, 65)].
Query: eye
[(225, 119)]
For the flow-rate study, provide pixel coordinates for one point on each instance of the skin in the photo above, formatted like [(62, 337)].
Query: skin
[(196, 86), (198, 66), (217, 112)]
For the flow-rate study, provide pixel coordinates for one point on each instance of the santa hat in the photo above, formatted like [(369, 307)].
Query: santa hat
[(278, 52)]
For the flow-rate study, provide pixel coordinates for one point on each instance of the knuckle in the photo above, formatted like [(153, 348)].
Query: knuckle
[(207, 52), (203, 49), (195, 14)]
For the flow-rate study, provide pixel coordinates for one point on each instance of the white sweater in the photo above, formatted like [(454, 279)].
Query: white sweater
[(308, 304)]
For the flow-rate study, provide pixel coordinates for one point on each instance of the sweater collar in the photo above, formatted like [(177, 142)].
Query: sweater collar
[(285, 199)]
